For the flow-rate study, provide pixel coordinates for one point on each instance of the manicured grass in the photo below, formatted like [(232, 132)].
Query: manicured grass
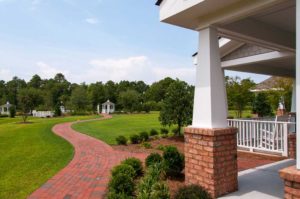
[(126, 125), (246, 113), (30, 154)]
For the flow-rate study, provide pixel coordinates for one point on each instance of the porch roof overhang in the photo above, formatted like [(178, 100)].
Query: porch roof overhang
[(270, 24)]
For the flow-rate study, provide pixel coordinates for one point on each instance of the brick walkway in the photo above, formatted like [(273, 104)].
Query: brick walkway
[(87, 175)]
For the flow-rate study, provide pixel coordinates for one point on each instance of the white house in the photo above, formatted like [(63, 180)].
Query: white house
[(256, 36), (107, 107), (4, 109)]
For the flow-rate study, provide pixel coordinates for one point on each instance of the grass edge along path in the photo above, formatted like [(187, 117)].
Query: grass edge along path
[(31, 153)]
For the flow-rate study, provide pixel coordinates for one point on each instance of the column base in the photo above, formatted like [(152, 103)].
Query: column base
[(211, 159), (291, 177), (292, 145)]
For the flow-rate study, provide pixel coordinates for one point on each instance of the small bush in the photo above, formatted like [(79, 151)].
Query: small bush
[(173, 160), (160, 190), (154, 174), (3, 116), (12, 111), (144, 136), (146, 145), (153, 132), (164, 131), (175, 131), (161, 147), (123, 168), (114, 195), (121, 183), (121, 140), (192, 192), (136, 164), (135, 139), (152, 159)]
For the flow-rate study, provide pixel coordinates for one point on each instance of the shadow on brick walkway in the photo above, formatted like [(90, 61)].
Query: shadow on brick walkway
[(87, 175)]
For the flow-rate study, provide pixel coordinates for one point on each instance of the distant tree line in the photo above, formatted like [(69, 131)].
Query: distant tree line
[(48, 94)]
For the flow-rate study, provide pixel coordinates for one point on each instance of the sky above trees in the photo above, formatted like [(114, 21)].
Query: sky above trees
[(95, 40)]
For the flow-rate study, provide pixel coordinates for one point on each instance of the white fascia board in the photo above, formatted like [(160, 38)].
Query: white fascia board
[(256, 58)]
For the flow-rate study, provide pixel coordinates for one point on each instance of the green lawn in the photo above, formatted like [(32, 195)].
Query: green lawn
[(126, 125), (30, 154)]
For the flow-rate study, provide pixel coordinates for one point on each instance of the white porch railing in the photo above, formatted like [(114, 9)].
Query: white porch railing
[(264, 136)]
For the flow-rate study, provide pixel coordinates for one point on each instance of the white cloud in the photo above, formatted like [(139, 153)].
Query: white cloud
[(5, 74), (132, 69), (92, 20), (47, 71)]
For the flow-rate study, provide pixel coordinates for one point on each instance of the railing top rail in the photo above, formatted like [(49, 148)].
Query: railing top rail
[(261, 121)]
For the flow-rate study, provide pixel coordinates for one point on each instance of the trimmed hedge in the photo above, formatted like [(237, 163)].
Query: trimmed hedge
[(164, 131), (173, 160), (134, 139), (121, 140), (192, 192), (122, 183), (153, 132), (152, 159), (123, 169), (144, 136), (136, 164)]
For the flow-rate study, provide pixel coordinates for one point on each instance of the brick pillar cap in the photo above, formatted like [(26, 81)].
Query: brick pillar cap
[(290, 174), (210, 132)]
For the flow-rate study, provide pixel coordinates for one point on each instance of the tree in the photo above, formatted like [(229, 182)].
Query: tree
[(129, 100), (12, 111), (13, 87), (239, 94), (28, 98), (79, 99), (177, 106), (157, 91), (261, 105), (35, 82)]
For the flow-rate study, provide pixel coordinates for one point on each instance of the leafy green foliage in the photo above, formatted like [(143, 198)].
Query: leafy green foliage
[(136, 165), (164, 131), (123, 169), (239, 94), (192, 192), (121, 183), (129, 100), (57, 111), (144, 136), (160, 190), (146, 145), (173, 160), (12, 111), (121, 140), (152, 159), (135, 139), (177, 105), (114, 195), (261, 105), (153, 132)]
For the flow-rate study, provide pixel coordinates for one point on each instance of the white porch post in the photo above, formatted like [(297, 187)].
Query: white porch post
[(293, 105), (298, 81), (210, 108)]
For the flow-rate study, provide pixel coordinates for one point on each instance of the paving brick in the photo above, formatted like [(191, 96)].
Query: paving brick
[(87, 175)]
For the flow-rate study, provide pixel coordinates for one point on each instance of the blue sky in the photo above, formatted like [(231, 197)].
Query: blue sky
[(94, 40)]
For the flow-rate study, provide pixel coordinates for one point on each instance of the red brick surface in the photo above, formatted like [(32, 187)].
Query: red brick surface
[(291, 177), (292, 145), (87, 175), (211, 159)]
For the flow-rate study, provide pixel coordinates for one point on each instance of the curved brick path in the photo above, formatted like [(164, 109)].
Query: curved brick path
[(87, 175)]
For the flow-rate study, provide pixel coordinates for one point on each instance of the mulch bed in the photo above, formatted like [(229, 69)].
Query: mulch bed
[(246, 160)]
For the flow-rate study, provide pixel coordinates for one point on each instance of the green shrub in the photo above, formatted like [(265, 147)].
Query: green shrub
[(57, 111), (12, 111), (121, 140), (153, 132), (146, 145), (152, 159), (192, 192), (154, 174), (123, 168), (160, 190), (134, 139), (175, 131), (136, 164), (3, 115), (164, 131), (144, 136), (121, 183), (161, 147), (173, 160), (114, 195)]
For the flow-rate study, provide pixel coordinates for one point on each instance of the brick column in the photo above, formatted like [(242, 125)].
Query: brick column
[(291, 177), (211, 159), (292, 145)]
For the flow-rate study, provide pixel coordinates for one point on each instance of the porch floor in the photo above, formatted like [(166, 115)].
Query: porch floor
[(261, 182)]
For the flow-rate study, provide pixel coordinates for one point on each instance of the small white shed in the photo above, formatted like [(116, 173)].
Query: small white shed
[(107, 107), (4, 109)]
